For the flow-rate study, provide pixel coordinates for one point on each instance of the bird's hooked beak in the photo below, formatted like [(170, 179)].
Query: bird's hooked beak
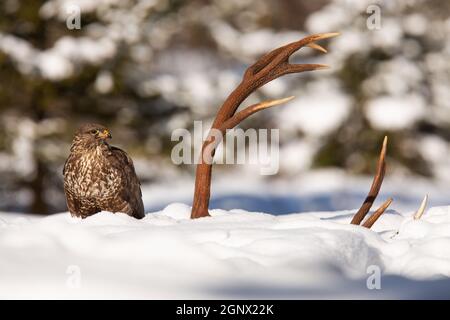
[(105, 134)]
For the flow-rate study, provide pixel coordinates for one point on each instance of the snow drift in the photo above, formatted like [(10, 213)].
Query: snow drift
[(232, 254)]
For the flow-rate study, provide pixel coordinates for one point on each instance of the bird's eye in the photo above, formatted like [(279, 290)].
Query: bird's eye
[(94, 131)]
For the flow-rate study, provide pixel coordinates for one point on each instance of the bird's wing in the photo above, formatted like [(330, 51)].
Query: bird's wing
[(131, 194), (65, 164)]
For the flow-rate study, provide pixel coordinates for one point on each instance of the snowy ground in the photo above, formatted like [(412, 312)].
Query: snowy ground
[(233, 254), (236, 253)]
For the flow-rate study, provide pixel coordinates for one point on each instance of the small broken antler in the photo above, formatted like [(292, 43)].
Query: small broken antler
[(269, 67), (374, 217), (373, 192), (421, 209)]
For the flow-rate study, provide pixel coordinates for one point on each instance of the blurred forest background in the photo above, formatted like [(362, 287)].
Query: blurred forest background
[(147, 67)]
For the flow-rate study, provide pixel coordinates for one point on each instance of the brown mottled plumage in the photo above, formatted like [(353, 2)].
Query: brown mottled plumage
[(99, 177)]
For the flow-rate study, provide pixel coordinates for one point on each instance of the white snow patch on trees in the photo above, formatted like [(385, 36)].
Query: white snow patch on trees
[(316, 117), (395, 113)]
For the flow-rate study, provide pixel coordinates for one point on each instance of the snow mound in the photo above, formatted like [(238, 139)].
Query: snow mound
[(232, 254)]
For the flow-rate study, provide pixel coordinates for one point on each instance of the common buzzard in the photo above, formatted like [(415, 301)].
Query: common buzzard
[(100, 177)]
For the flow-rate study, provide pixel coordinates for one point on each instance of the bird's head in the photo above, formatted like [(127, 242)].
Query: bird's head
[(92, 134)]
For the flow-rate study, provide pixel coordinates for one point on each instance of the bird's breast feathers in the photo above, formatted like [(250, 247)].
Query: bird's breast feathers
[(91, 175)]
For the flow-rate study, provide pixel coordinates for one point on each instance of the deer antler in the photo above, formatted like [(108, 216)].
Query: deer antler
[(373, 192), (374, 217), (269, 67), (421, 209)]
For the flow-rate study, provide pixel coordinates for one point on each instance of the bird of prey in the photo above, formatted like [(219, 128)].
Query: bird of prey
[(100, 177)]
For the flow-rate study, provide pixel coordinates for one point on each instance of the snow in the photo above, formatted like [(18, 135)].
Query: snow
[(22, 146), (59, 7), (329, 18), (94, 51), (415, 24), (232, 254), (395, 113), (59, 61), (54, 66), (307, 111), (303, 245), (253, 43), (389, 35), (104, 82), (297, 156), (435, 149)]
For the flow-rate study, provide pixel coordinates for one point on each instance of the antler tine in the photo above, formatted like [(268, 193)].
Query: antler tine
[(295, 46), (315, 46), (241, 116), (421, 209), (248, 111), (373, 218), (296, 68), (280, 57), (375, 188)]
